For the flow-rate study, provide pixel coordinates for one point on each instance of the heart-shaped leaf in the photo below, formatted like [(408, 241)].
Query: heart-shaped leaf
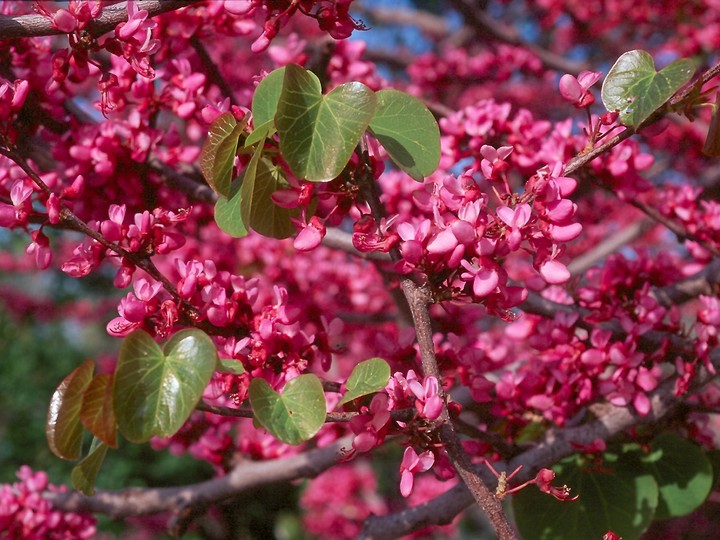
[(84, 473), (258, 210), (408, 131), (155, 390), (63, 428), (683, 473), (97, 413), (266, 97), (634, 88), (319, 133), (293, 416), (367, 377), (620, 497), (218, 152), (227, 212)]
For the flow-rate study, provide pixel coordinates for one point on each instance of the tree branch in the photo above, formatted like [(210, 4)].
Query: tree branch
[(37, 25), (246, 476), (419, 300), (488, 27), (580, 264), (555, 445)]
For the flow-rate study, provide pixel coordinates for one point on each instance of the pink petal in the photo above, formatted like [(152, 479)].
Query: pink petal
[(565, 233), (485, 282), (426, 461), (433, 408), (641, 403), (570, 88), (588, 78), (463, 231), (554, 272), (406, 483), (444, 242)]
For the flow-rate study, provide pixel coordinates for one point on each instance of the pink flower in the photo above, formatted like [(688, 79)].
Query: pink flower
[(483, 274), (543, 481), (310, 236), (493, 165), (411, 464), (40, 248), (576, 90)]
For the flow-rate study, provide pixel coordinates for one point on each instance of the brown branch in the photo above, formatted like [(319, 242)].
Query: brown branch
[(487, 27), (419, 299), (555, 445), (402, 415), (246, 476), (37, 25), (680, 231), (212, 70), (580, 264)]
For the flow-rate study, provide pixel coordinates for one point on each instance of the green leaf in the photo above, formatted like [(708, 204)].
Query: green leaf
[(634, 88), (318, 134), (260, 133), (218, 152), (155, 390), (621, 497), (63, 428), (257, 208), (97, 413), (683, 473), (293, 416), (84, 473), (367, 377), (227, 212), (266, 97), (231, 365), (408, 131)]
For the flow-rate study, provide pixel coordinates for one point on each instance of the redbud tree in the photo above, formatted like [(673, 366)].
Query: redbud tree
[(421, 257)]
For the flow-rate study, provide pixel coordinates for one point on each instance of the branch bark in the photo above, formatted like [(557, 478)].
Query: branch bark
[(38, 25), (246, 476), (555, 445)]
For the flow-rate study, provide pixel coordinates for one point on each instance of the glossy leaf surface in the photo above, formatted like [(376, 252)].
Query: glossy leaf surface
[(293, 416), (408, 131), (156, 390), (637, 90), (367, 377), (318, 134), (63, 428), (98, 414)]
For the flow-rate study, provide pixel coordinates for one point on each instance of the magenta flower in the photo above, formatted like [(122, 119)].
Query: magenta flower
[(544, 483), (411, 464), (577, 90)]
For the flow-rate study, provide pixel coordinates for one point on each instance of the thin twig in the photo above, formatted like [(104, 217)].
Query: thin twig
[(489, 27), (37, 25), (419, 299), (580, 264), (555, 445), (248, 475)]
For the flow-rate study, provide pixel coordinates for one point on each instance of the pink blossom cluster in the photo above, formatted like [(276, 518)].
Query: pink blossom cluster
[(698, 216), (332, 17), (577, 358), (459, 244), (24, 513), (336, 502), (150, 233), (451, 74)]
